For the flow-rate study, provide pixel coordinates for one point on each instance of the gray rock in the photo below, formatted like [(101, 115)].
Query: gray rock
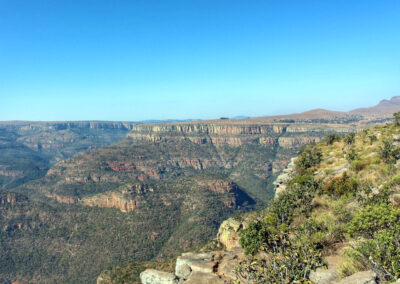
[(182, 269), (204, 278), (200, 262), (152, 276), (363, 277), (284, 177), (395, 199), (323, 276)]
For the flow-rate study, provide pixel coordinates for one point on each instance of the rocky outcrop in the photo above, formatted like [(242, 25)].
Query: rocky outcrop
[(238, 134), (281, 181), (111, 200), (11, 198), (62, 125), (207, 267), (218, 186), (228, 233), (9, 173), (192, 268), (152, 276), (324, 276), (395, 199), (363, 277)]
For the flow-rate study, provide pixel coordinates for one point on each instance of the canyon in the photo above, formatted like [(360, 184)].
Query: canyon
[(140, 192)]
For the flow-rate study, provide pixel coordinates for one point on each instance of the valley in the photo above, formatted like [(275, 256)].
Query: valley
[(110, 193)]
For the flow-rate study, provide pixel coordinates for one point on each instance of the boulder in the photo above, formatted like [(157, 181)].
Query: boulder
[(395, 199), (182, 268), (281, 181), (363, 277), (152, 276), (228, 233), (204, 278), (324, 276)]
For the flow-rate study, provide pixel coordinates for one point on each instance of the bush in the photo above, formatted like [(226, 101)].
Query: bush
[(350, 138), (351, 155), (258, 233), (341, 185), (310, 156), (372, 139), (331, 138), (396, 117), (379, 225), (382, 252), (268, 232), (389, 153), (357, 165), (292, 261), (374, 218), (297, 199)]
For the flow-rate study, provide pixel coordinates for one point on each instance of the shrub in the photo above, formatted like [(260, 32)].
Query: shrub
[(292, 261), (350, 138), (297, 199), (309, 156), (351, 155), (351, 262), (331, 138), (389, 153), (396, 117), (254, 236), (357, 165), (372, 138), (380, 253), (268, 232), (374, 218), (341, 185)]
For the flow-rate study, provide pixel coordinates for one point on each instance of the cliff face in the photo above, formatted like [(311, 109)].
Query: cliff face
[(250, 155), (63, 125), (236, 134)]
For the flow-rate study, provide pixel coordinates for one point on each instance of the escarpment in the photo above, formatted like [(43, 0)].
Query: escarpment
[(249, 155), (334, 219), (236, 134), (161, 190)]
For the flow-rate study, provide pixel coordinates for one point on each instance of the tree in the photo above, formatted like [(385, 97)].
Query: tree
[(396, 117)]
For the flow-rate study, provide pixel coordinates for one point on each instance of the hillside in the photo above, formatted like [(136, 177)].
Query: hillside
[(335, 219), (29, 149)]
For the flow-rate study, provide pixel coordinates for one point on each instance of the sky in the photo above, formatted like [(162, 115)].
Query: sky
[(137, 60)]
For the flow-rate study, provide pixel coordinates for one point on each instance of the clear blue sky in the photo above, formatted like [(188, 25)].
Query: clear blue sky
[(136, 60)]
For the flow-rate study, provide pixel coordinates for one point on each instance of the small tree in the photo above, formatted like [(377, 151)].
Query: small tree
[(389, 153), (396, 117), (350, 138), (331, 138)]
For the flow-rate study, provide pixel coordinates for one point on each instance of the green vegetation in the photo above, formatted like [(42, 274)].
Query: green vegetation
[(48, 242), (350, 138), (331, 138), (308, 158), (330, 207), (396, 117), (26, 153), (388, 152)]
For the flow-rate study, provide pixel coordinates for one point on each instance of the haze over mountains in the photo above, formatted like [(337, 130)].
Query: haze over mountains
[(78, 197)]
